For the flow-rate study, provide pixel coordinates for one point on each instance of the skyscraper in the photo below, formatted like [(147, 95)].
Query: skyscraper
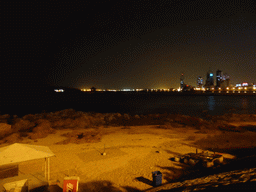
[(225, 81), (199, 82), (209, 79), (182, 81), (219, 78)]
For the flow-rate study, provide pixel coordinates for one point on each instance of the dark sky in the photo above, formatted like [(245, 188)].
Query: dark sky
[(126, 44)]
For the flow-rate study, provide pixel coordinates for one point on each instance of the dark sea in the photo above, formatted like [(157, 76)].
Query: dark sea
[(199, 105), (134, 103)]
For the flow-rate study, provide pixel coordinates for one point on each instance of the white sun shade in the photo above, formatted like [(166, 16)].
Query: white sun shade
[(18, 152)]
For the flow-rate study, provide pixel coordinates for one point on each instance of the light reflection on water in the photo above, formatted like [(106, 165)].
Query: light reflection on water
[(211, 103)]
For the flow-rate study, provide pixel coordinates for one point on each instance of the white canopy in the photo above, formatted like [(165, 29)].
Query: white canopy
[(18, 152)]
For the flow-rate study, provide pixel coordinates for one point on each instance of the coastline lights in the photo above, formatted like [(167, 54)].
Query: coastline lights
[(244, 84), (86, 90), (58, 90)]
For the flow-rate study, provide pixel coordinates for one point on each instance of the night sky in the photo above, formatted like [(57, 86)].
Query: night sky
[(126, 44)]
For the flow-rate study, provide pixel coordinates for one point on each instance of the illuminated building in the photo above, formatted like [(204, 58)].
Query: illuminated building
[(245, 84), (226, 80), (199, 82), (182, 81), (218, 78), (58, 90), (209, 80)]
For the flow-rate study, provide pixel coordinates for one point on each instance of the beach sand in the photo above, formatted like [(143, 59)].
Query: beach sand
[(132, 153)]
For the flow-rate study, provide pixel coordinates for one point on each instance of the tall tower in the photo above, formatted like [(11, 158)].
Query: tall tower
[(218, 78), (226, 80), (182, 81), (209, 79), (199, 82)]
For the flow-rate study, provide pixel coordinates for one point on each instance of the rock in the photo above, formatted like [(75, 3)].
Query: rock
[(29, 117), (41, 130), (13, 138), (5, 129), (5, 116), (126, 116), (22, 125)]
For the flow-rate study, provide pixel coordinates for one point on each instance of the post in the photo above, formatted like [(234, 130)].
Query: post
[(48, 169), (44, 167)]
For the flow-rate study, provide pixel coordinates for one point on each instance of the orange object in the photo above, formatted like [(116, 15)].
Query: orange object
[(70, 184)]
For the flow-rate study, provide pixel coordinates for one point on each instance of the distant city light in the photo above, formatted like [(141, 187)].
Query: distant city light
[(127, 89), (86, 90), (58, 90)]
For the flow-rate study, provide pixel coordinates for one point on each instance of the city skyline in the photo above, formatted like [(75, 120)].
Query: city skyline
[(129, 44)]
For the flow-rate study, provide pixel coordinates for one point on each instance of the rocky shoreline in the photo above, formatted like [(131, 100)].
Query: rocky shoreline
[(245, 178)]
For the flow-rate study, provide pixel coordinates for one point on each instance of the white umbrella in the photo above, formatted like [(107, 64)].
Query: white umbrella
[(18, 152)]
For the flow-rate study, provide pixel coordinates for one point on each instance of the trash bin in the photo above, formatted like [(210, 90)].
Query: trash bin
[(157, 178)]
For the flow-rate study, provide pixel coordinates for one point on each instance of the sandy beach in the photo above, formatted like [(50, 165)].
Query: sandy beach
[(131, 152)]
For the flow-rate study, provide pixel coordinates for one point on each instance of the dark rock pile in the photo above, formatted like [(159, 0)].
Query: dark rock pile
[(245, 178), (14, 128)]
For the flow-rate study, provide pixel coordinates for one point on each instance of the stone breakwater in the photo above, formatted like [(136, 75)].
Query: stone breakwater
[(245, 178)]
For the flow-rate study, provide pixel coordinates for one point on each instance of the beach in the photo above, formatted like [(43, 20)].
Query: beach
[(109, 153)]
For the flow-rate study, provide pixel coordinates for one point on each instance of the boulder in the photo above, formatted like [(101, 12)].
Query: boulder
[(29, 117), (4, 118), (13, 138), (22, 125), (42, 129), (5, 129), (126, 116)]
